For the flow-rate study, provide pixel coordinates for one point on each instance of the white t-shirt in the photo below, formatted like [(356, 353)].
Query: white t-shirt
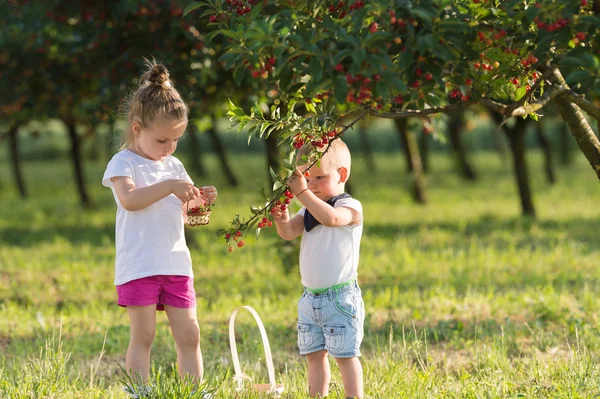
[(329, 255), (149, 241)]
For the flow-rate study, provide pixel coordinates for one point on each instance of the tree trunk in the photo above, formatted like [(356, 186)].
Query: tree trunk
[(547, 151), (579, 126), (413, 159), (220, 150), (94, 149), (455, 126), (499, 145), (516, 139), (365, 146), (582, 131), (423, 143), (86, 202), (195, 151), (15, 159)]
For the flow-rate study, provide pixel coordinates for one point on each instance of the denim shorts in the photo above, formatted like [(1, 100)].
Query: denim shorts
[(332, 320)]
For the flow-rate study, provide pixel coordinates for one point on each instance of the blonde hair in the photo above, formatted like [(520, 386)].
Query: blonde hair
[(154, 97), (337, 155)]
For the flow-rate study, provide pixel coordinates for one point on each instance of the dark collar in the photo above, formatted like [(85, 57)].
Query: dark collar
[(310, 222)]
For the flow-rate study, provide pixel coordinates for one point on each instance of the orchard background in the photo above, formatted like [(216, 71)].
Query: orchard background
[(479, 258)]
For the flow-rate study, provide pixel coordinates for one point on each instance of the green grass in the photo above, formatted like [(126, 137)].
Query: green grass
[(464, 297)]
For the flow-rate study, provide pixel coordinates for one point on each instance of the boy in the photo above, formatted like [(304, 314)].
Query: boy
[(331, 309)]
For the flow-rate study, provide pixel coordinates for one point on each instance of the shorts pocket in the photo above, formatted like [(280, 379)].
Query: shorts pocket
[(304, 336), (344, 304), (334, 337)]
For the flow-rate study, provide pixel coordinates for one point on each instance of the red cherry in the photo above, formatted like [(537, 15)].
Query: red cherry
[(240, 243), (230, 249)]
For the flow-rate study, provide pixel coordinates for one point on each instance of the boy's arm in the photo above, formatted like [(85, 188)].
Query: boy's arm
[(327, 214), (287, 228)]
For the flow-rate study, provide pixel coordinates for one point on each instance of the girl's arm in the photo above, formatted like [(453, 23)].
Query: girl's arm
[(136, 199)]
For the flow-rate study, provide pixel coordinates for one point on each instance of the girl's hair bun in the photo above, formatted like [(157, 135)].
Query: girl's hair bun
[(157, 74)]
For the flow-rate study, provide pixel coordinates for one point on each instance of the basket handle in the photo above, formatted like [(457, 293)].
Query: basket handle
[(265, 340)]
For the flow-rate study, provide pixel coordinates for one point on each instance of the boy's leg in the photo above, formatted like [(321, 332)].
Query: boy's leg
[(319, 374), (352, 376), (184, 325), (142, 320)]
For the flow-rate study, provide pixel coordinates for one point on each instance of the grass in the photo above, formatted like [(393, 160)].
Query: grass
[(464, 297)]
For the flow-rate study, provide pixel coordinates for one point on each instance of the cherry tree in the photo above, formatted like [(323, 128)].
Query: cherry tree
[(331, 63)]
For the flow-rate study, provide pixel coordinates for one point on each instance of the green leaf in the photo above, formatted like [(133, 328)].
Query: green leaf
[(572, 62), (359, 55), (238, 74), (582, 78), (191, 7), (405, 60), (315, 69), (341, 89), (520, 93), (274, 175), (420, 13), (288, 165), (339, 56), (383, 89), (452, 25)]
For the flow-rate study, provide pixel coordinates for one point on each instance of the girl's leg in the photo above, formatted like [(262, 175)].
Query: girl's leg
[(319, 374), (352, 377), (184, 325), (142, 320)]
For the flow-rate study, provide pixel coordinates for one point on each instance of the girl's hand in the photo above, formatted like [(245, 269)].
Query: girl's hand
[(184, 190), (297, 182), (210, 193)]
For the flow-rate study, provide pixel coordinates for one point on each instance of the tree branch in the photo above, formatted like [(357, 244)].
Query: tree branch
[(411, 113), (583, 103), (549, 95)]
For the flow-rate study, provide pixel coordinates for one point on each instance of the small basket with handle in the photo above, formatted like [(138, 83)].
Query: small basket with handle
[(198, 215), (272, 387)]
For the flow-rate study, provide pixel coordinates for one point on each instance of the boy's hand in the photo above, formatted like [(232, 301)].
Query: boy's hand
[(184, 190), (280, 216), (297, 182), (210, 193)]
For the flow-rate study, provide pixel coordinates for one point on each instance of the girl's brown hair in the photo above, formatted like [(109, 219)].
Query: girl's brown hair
[(155, 97)]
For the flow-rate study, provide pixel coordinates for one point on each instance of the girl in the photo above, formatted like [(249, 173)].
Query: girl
[(153, 268)]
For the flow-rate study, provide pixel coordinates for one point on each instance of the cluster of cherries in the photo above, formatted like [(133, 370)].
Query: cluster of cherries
[(198, 210), (237, 237), (281, 203), (316, 142), (240, 7), (264, 70), (340, 7)]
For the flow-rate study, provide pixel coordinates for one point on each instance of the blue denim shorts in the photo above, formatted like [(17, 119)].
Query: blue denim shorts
[(331, 320)]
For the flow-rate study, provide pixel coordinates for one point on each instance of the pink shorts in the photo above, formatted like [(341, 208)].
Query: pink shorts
[(176, 291)]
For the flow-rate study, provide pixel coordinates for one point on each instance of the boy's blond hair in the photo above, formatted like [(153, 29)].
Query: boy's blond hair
[(337, 156)]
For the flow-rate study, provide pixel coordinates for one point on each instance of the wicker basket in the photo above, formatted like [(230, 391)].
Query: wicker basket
[(198, 217), (272, 388)]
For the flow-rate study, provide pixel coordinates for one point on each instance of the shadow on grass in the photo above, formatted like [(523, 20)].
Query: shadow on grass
[(487, 229), (29, 237)]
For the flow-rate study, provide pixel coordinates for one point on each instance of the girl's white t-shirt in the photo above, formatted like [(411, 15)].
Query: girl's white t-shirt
[(329, 255), (150, 241)]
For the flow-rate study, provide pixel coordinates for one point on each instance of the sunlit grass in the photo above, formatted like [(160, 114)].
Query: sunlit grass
[(465, 298)]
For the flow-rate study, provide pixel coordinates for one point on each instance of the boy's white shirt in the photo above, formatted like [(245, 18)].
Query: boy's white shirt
[(329, 255), (150, 241)]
